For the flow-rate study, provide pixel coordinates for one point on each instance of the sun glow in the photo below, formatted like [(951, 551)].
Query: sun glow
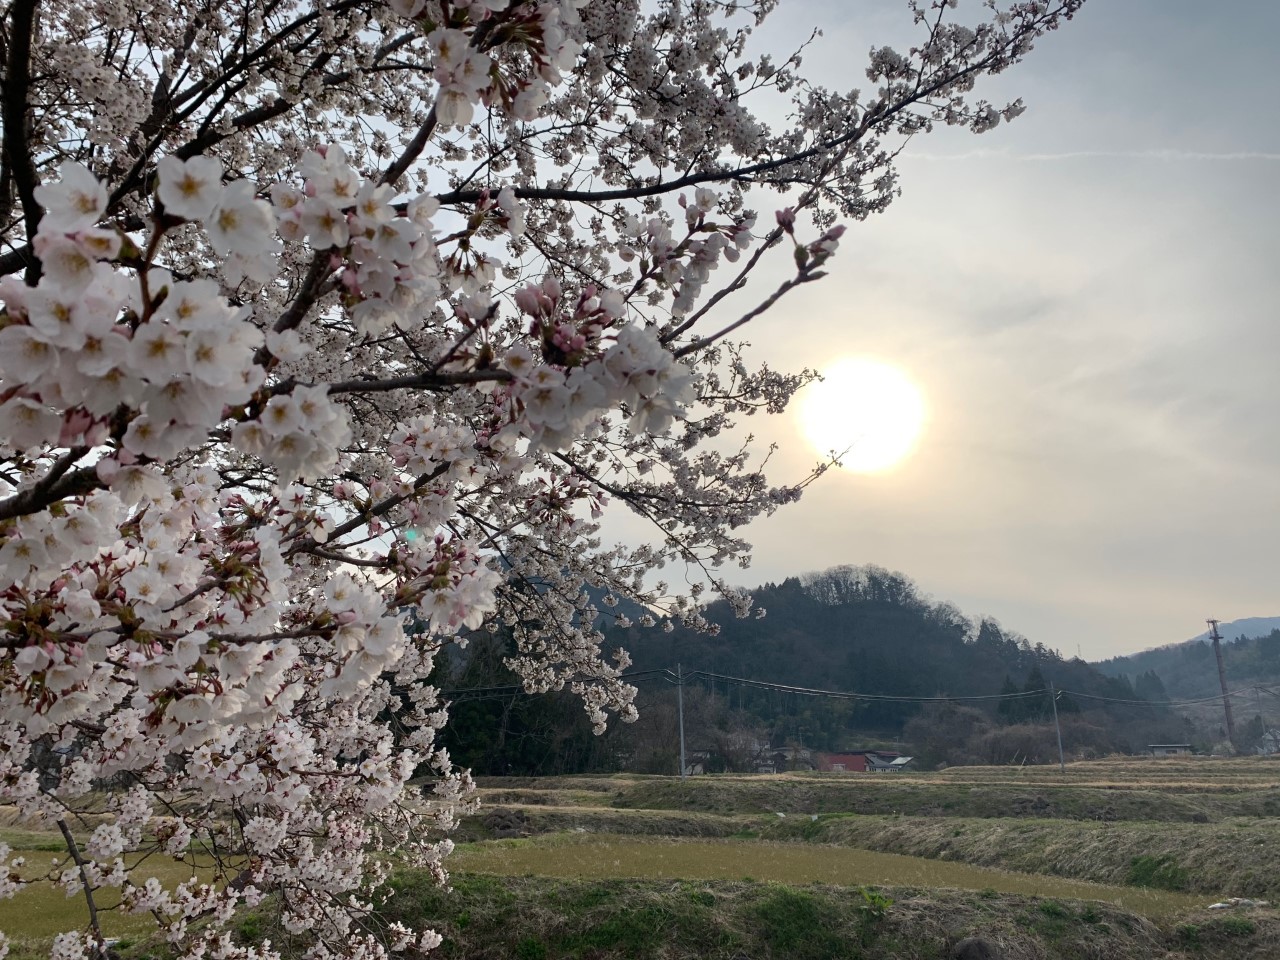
[(867, 411)]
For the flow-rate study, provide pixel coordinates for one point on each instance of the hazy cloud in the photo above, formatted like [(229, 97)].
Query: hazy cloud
[(1094, 329), (1162, 154)]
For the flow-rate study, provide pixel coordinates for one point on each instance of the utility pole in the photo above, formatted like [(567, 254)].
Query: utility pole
[(1053, 699), (1222, 680), (680, 711)]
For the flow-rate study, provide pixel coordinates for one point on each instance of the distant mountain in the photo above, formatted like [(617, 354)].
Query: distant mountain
[(1246, 628), (1250, 654)]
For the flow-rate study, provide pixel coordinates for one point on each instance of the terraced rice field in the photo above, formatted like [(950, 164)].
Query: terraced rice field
[(1113, 858), (1193, 825), (789, 863)]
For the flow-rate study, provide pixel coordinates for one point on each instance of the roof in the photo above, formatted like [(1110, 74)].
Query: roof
[(1168, 746)]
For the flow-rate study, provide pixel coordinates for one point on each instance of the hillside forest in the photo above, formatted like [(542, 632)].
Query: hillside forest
[(1187, 670), (865, 631)]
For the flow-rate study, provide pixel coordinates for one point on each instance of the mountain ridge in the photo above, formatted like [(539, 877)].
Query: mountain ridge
[(1188, 669)]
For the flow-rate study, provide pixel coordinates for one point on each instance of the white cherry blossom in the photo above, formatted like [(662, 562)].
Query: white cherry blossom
[(239, 223), (189, 188), (76, 201)]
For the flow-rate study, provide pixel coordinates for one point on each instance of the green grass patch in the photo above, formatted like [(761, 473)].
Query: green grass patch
[(1232, 926), (531, 948), (790, 922), (1162, 873)]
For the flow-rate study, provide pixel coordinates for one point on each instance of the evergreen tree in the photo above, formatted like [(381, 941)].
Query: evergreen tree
[(1149, 686), (1010, 710), (1034, 707)]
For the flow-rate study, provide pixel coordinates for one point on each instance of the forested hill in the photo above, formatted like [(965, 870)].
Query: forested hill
[(858, 630), (1186, 670), (864, 630)]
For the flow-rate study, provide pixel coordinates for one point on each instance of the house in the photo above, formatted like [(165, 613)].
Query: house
[(861, 761), (1170, 749), (896, 765), (780, 759), (1269, 746), (747, 755)]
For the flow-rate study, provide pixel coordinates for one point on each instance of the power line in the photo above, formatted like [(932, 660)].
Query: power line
[(846, 695), (498, 692), (1216, 698), (469, 694)]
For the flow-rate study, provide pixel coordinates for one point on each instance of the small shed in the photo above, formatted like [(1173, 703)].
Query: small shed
[(1170, 749)]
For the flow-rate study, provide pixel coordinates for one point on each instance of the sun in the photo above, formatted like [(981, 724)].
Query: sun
[(867, 411)]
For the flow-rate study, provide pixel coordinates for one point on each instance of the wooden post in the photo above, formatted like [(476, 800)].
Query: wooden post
[(1053, 699), (1222, 681), (680, 711)]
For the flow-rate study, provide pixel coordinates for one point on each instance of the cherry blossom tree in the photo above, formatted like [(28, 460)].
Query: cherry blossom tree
[(330, 328)]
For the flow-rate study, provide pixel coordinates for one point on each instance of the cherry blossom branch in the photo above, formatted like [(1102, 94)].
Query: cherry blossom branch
[(803, 277), (18, 258), (339, 557), (418, 381), (308, 293), (383, 508), (259, 115), (57, 485), (412, 150), (882, 112)]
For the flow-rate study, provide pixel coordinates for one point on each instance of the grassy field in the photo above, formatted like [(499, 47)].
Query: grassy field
[(604, 857), (1228, 858), (540, 918), (1191, 824), (1172, 774), (1114, 859), (43, 906)]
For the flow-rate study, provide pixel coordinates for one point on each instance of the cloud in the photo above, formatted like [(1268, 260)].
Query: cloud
[(1158, 154)]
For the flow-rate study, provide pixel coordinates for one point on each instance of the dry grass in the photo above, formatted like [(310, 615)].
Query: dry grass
[(1189, 789), (487, 918), (1233, 858), (1178, 774), (915, 796)]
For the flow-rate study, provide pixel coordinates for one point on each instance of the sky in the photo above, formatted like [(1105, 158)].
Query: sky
[(1087, 298)]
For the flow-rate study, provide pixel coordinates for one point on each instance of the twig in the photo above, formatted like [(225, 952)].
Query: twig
[(74, 849), (703, 342)]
